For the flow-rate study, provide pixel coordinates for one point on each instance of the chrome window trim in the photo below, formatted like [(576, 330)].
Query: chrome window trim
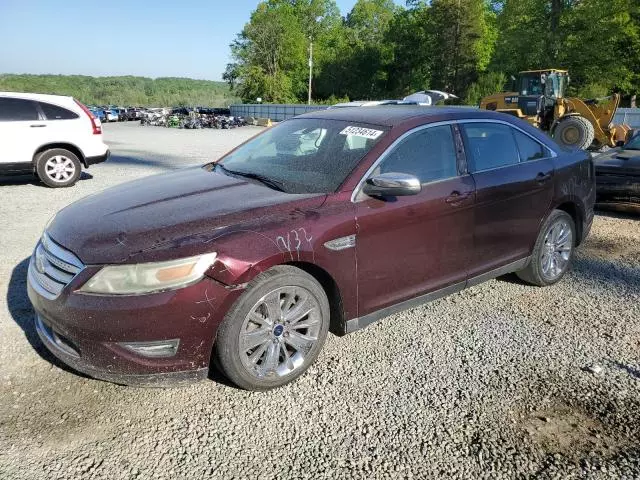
[(356, 191)]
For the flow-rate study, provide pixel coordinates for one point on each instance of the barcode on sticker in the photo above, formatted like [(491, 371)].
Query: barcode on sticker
[(361, 132)]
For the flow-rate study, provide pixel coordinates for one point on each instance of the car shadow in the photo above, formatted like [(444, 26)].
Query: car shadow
[(22, 313), (33, 180), (139, 158), (620, 211)]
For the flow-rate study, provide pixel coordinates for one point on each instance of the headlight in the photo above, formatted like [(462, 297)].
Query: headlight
[(149, 277)]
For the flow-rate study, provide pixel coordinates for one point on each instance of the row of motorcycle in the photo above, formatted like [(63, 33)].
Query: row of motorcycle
[(192, 120)]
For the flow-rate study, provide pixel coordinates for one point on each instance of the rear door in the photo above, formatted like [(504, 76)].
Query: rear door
[(61, 124), (407, 246), (19, 131), (513, 175)]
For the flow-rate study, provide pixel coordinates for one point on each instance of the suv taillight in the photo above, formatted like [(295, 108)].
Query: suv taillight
[(97, 128)]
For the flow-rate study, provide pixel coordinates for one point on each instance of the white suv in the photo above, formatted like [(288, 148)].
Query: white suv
[(49, 135)]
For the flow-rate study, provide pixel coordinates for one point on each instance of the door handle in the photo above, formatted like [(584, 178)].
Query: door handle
[(457, 197), (543, 177), (39, 125)]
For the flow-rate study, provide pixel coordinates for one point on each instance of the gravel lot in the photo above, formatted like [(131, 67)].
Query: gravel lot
[(502, 380)]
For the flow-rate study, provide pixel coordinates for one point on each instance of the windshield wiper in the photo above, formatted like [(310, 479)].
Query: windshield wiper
[(269, 182)]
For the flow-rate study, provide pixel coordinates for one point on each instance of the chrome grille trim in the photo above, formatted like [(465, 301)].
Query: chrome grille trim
[(52, 268)]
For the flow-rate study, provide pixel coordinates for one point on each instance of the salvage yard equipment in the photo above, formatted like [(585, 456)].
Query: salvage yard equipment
[(539, 98)]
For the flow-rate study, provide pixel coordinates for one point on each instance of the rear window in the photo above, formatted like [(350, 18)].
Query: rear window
[(54, 112), (17, 110)]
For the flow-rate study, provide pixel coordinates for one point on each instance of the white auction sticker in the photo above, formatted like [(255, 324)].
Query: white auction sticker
[(361, 132)]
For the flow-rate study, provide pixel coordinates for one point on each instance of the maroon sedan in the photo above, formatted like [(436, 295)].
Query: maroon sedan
[(328, 221)]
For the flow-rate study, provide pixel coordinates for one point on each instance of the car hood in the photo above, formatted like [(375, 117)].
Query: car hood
[(619, 162), (157, 213)]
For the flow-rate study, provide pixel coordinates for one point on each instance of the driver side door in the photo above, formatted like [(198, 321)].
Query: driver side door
[(408, 246)]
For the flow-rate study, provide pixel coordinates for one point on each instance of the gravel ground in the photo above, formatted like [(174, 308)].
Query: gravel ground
[(502, 380)]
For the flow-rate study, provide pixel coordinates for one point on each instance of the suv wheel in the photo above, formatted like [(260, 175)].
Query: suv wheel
[(552, 252), (274, 331), (58, 167)]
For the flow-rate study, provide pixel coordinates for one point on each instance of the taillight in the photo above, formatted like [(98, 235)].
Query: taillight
[(97, 128)]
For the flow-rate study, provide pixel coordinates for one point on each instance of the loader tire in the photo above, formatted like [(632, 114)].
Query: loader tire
[(574, 132)]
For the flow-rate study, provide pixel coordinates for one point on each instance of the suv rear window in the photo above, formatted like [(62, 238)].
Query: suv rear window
[(54, 112), (17, 110)]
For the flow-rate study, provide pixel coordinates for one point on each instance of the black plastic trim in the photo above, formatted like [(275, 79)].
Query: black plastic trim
[(16, 168), (97, 159)]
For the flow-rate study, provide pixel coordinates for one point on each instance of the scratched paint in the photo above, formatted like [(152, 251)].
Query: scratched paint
[(292, 241)]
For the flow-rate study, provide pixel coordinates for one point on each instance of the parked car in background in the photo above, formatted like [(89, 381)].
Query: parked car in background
[(123, 114), (134, 113), (427, 98), (111, 114), (363, 103), (618, 174), (333, 219), (98, 113), (49, 135)]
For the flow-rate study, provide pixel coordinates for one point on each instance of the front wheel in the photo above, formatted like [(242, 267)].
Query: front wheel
[(552, 252), (274, 331), (574, 132)]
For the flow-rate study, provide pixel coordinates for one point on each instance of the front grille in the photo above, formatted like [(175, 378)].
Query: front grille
[(52, 267)]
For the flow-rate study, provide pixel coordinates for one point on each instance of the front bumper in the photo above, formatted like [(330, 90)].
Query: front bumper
[(92, 333)]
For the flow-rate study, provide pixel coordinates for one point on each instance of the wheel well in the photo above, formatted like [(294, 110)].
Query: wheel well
[(572, 209), (336, 323), (67, 146)]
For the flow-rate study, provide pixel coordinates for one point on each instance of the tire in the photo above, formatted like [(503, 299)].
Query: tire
[(551, 257), (58, 168), (249, 322), (574, 132)]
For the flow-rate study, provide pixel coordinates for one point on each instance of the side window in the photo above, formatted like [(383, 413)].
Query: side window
[(428, 154), (489, 145), (17, 110), (53, 112), (529, 148)]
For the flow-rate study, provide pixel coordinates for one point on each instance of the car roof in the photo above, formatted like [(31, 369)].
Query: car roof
[(392, 115), (36, 96)]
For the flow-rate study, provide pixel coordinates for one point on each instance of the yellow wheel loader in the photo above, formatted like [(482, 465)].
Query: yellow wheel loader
[(539, 98)]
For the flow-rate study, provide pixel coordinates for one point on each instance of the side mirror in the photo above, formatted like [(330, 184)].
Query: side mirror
[(392, 185)]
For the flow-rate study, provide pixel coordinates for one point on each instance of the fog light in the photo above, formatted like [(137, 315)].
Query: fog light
[(160, 348)]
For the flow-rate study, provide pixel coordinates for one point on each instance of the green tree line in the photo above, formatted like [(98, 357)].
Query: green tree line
[(467, 47), (124, 91)]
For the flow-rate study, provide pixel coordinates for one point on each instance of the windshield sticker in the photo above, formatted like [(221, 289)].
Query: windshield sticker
[(361, 132)]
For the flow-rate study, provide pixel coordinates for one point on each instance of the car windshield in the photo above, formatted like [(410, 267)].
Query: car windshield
[(304, 155), (634, 143)]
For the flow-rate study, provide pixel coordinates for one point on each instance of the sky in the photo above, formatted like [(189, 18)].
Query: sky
[(160, 38)]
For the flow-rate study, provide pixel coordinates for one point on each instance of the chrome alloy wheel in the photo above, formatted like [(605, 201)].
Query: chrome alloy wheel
[(279, 332), (59, 168), (556, 251)]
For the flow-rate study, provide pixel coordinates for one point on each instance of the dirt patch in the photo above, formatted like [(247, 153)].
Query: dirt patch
[(570, 432)]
